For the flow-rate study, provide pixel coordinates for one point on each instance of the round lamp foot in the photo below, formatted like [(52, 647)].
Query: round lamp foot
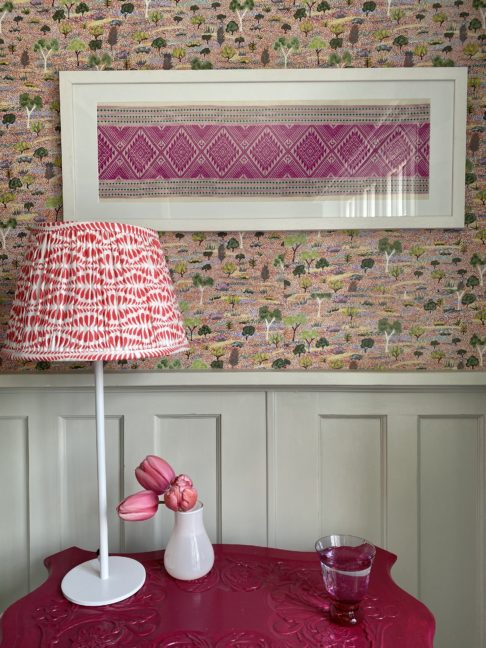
[(84, 586)]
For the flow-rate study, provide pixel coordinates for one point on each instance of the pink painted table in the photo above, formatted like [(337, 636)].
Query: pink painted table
[(253, 597)]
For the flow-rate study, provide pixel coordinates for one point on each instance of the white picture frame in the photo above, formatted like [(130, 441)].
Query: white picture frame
[(444, 89)]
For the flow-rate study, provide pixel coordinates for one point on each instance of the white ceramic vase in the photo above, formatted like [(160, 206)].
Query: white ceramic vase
[(189, 553)]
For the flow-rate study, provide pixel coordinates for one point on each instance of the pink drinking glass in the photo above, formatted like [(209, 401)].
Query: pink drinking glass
[(346, 565)]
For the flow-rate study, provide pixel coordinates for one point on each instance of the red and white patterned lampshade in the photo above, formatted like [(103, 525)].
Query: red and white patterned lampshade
[(93, 291)]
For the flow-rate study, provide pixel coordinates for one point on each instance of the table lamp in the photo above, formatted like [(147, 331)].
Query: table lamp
[(95, 292)]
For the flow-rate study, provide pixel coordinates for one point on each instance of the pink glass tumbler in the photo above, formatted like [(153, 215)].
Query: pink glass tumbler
[(346, 565)]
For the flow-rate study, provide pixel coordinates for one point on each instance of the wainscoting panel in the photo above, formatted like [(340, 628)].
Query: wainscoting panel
[(352, 500), (79, 480), (339, 461), (14, 505), (215, 437), (277, 466), (403, 470), (450, 548), (187, 439), (403, 498)]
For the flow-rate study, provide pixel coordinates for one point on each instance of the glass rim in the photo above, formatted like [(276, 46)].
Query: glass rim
[(327, 541)]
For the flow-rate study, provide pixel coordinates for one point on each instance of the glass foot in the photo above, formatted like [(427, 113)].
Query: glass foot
[(346, 614)]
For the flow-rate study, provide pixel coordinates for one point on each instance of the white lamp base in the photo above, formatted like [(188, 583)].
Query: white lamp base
[(84, 586)]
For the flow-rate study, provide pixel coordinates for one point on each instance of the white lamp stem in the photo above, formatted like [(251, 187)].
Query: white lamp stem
[(108, 579), (101, 461)]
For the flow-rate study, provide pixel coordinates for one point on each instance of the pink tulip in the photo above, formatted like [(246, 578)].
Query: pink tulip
[(140, 506), (182, 481), (154, 474), (181, 495)]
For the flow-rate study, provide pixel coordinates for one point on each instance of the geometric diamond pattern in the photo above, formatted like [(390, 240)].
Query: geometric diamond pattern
[(310, 150), (181, 152), (223, 152), (396, 148), (251, 152), (140, 153), (354, 150), (266, 151), (105, 152)]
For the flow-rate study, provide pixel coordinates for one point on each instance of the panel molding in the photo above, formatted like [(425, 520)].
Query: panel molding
[(481, 517), (272, 463), (480, 483), (15, 564), (217, 418), (382, 419), (117, 541)]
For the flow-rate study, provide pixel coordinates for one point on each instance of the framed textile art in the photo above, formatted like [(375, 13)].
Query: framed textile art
[(265, 149)]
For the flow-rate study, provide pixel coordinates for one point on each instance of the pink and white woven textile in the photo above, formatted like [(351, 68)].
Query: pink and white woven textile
[(309, 149), (93, 291)]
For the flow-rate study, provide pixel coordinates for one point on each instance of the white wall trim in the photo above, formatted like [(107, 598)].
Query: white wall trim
[(252, 379)]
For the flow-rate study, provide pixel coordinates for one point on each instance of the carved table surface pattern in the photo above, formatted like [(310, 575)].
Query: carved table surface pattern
[(253, 597)]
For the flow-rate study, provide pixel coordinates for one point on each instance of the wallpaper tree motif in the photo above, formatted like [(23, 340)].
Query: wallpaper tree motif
[(379, 300)]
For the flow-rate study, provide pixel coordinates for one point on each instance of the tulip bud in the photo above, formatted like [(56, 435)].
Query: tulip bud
[(181, 495), (154, 474), (182, 481), (172, 498), (189, 499), (140, 506)]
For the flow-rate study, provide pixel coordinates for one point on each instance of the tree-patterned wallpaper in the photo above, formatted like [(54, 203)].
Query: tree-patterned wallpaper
[(351, 300)]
